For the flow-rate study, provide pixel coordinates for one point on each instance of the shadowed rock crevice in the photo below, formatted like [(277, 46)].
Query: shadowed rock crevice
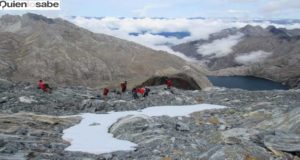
[(181, 81)]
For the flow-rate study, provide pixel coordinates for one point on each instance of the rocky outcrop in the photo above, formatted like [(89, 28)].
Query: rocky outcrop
[(75, 100), (31, 136), (5, 84), (181, 81), (188, 77), (280, 141)]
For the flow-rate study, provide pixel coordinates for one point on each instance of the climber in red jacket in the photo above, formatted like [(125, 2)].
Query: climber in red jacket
[(141, 91), (105, 92), (42, 86), (124, 86), (169, 83)]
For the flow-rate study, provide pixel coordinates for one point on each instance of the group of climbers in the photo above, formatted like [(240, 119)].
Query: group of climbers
[(136, 92), (142, 91), (123, 86)]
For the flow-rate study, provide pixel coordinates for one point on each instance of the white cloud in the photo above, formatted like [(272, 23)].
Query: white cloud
[(198, 29), (252, 57), (220, 47)]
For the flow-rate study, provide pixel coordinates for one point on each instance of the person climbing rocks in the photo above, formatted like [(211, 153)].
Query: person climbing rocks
[(135, 93), (147, 91), (124, 87), (169, 83), (44, 86), (41, 85), (141, 91), (105, 92)]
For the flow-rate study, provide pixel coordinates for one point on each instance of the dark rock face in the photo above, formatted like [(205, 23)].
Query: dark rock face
[(256, 125), (5, 85), (181, 81), (39, 18)]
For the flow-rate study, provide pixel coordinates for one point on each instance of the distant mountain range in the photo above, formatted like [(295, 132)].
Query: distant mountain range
[(272, 53), (233, 19)]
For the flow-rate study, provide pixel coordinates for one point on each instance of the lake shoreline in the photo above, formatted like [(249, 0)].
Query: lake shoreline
[(250, 83)]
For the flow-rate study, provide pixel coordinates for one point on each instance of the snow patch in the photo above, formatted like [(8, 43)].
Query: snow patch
[(25, 99), (96, 139), (163, 93)]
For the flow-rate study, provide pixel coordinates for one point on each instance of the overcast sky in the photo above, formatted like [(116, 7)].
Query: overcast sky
[(178, 8)]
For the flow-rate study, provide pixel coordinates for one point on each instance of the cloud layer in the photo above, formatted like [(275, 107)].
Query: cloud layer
[(253, 57), (220, 47), (148, 30)]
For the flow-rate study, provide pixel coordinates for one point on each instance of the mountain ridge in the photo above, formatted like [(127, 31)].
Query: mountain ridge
[(278, 49), (35, 47)]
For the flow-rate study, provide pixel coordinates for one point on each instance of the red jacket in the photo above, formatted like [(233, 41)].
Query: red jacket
[(42, 86), (169, 83), (105, 91), (141, 91), (123, 87)]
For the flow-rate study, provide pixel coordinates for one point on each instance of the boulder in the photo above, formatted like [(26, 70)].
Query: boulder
[(238, 152), (283, 141), (181, 81), (5, 85), (131, 124), (182, 126)]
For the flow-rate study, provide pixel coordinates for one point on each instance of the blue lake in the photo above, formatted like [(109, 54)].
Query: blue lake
[(246, 82)]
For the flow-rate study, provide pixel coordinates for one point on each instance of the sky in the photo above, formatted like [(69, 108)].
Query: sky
[(244, 9), (185, 8)]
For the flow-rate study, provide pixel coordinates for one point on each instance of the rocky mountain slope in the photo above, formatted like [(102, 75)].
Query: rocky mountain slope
[(34, 47), (272, 53), (256, 125)]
